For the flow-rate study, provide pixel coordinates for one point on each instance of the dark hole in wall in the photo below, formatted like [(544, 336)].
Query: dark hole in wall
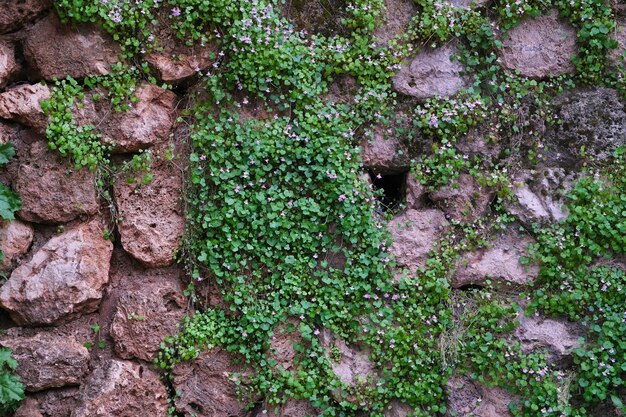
[(393, 187), (470, 287)]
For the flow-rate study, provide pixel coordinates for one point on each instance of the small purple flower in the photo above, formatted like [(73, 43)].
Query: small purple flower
[(342, 198), (175, 12)]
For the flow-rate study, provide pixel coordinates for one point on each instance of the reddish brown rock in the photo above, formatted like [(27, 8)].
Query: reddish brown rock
[(398, 409), (16, 13), (152, 221), (51, 191), (558, 338), (414, 234), (384, 152), (616, 56), (9, 67), (58, 402), (29, 408), (540, 47), (48, 361), (500, 263), (147, 312), (148, 122), (464, 201), (431, 72), (15, 239), (353, 365), (175, 62), (292, 408), (206, 386), (281, 344), (415, 193), (124, 389), (64, 279), (53, 50), (22, 104)]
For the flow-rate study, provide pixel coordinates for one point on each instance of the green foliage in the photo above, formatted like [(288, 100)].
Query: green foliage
[(10, 201), (11, 389)]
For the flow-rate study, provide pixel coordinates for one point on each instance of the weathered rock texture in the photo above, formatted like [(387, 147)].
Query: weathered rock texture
[(558, 338), (48, 361), (540, 47), (467, 398), (22, 104), (431, 72), (500, 264), (148, 310), (15, 239), (64, 279), (593, 120), (414, 233), (29, 408), (293, 408), (281, 343), (384, 152), (465, 200), (51, 192), (152, 220), (206, 387), (398, 14), (353, 366), (466, 4), (14, 14), (8, 65), (124, 389), (616, 56), (53, 50)]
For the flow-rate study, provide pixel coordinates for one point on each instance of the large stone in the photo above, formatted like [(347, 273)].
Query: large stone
[(16, 13), (282, 341), (539, 196), (558, 338), (9, 67), (431, 72), (53, 50), (384, 152), (64, 279), (51, 191), (464, 201), (467, 398), (207, 387), (148, 310), (540, 47), (148, 122), (48, 361), (174, 62), (498, 263), (152, 221), (58, 402), (29, 408), (22, 104), (398, 409), (292, 408), (124, 389), (592, 124), (414, 234), (397, 15), (353, 365), (415, 193), (15, 239)]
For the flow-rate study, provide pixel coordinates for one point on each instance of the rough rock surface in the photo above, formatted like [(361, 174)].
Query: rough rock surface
[(206, 386), (293, 408), (21, 104), (53, 50), (8, 65), (465, 200), (415, 193), (466, 4), (540, 47), (354, 366), (281, 344), (540, 196), (15, 239), (499, 263), (29, 408), (594, 119), (398, 409), (152, 219), (147, 312), (50, 191), (467, 398), (384, 153), (14, 14), (397, 15), (559, 338), (431, 73), (48, 361), (64, 279), (58, 402), (123, 389), (413, 234), (148, 122)]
